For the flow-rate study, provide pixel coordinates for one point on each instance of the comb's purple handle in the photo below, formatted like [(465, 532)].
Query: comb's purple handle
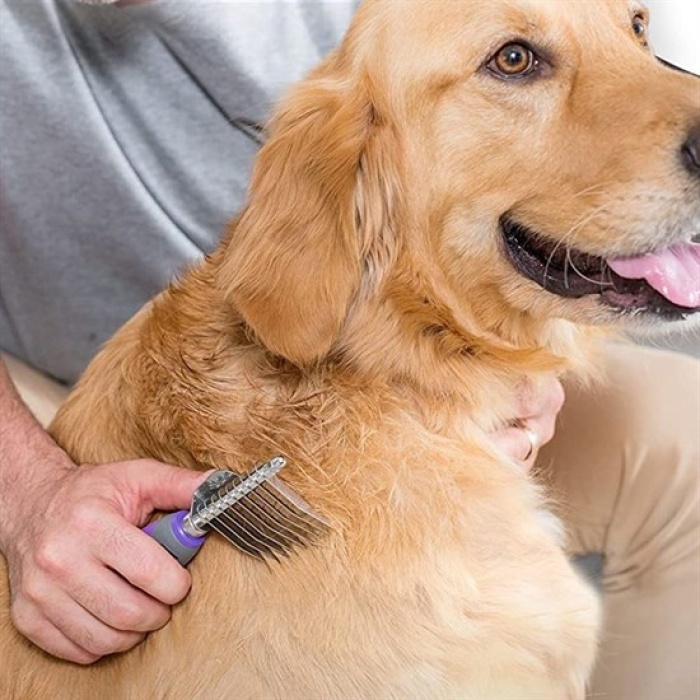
[(169, 532)]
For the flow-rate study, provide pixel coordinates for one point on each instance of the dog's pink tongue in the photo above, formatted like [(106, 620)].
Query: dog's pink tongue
[(673, 272)]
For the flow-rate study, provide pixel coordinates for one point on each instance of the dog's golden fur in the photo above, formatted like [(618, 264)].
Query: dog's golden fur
[(361, 318)]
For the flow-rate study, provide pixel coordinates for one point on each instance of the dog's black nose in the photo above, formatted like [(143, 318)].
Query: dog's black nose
[(691, 151)]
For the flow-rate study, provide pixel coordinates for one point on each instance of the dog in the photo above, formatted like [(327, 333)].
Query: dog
[(462, 197)]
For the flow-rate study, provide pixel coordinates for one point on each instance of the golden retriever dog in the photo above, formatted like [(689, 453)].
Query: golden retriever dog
[(455, 202)]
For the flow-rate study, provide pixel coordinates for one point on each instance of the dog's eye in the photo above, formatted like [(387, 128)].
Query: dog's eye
[(513, 61), (639, 27)]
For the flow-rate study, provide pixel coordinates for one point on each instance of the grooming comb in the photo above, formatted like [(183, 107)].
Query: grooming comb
[(256, 512)]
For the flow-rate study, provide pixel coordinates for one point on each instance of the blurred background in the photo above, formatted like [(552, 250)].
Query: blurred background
[(675, 31)]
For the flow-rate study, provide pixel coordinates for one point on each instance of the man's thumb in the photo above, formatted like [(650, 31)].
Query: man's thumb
[(165, 487)]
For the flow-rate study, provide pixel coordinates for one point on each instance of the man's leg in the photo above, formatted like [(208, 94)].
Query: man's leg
[(625, 463), (41, 394)]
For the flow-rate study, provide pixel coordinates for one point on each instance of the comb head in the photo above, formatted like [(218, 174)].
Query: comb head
[(256, 512)]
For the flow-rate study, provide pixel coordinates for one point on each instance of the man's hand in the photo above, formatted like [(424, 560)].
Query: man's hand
[(533, 427), (85, 581)]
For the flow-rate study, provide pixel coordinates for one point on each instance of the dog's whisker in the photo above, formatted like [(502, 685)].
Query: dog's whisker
[(597, 187), (575, 227), (600, 283)]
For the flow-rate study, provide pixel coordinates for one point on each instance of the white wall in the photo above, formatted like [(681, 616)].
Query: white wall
[(675, 31)]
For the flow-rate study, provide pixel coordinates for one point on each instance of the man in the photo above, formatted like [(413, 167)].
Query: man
[(128, 135)]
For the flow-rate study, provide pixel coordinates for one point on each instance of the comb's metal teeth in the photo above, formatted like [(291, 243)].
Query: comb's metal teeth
[(278, 508), (274, 517), (295, 501), (268, 522), (257, 512), (279, 500), (308, 523), (253, 527), (243, 538), (235, 539), (243, 531), (292, 520), (252, 535)]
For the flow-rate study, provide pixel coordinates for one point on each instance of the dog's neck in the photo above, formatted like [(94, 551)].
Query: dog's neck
[(410, 329), (409, 332)]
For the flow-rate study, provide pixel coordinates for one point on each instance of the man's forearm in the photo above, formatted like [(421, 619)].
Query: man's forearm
[(27, 452)]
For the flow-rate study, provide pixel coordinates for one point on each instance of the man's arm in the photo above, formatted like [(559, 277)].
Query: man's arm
[(85, 581)]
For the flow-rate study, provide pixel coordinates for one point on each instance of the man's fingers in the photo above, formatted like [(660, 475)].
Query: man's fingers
[(40, 630), (86, 631), (540, 429), (115, 602), (49, 638), (522, 442), (546, 397), (145, 564), (515, 443)]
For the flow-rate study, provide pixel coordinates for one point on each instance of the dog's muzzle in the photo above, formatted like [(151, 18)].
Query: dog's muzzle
[(665, 283)]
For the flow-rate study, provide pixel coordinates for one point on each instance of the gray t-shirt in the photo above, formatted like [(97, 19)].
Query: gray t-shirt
[(126, 142)]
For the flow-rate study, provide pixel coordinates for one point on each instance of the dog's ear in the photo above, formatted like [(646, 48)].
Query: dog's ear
[(295, 256)]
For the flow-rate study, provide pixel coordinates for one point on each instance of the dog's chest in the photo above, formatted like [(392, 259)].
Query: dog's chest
[(514, 619), (447, 607), (480, 591), (439, 580)]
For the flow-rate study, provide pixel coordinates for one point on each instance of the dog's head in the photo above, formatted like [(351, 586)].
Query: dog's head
[(463, 175)]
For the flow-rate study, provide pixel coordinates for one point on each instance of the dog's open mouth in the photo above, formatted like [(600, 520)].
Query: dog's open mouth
[(665, 283)]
